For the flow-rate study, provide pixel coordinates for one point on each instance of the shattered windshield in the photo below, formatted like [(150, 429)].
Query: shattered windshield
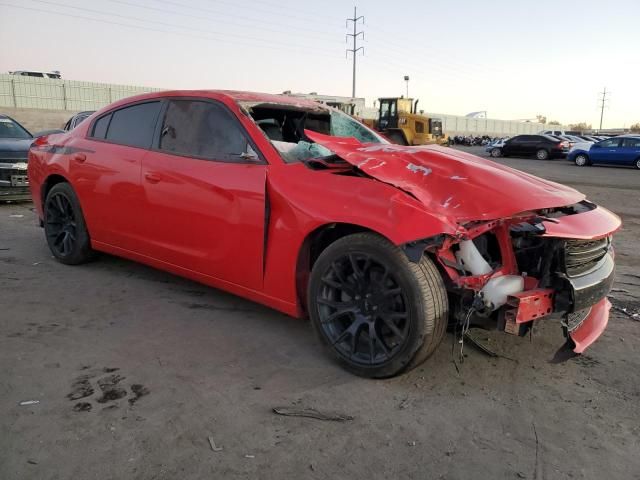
[(284, 126)]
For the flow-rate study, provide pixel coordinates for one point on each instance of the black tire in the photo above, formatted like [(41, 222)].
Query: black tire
[(496, 152), (581, 160), (638, 163), (410, 295), (64, 226), (542, 154)]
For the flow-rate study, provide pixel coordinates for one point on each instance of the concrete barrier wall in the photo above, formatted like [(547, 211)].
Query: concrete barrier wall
[(51, 94), (458, 125)]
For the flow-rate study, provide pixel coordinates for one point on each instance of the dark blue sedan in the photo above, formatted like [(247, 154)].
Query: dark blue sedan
[(622, 150)]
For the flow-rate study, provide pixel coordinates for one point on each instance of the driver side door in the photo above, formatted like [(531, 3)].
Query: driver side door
[(204, 193), (605, 151)]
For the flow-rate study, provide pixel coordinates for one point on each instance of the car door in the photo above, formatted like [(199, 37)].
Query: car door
[(105, 169), (512, 146), (529, 144), (204, 193), (605, 151), (630, 150)]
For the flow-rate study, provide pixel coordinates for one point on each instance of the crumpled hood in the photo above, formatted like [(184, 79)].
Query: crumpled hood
[(451, 183)]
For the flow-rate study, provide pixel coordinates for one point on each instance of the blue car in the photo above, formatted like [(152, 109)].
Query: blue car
[(622, 150)]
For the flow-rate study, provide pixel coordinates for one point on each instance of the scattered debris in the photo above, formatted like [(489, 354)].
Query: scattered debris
[(213, 445), (474, 341), (138, 391), (82, 407), (4, 249), (36, 263), (249, 456), (29, 402), (632, 316), (16, 215), (405, 403), (32, 462), (412, 443), (535, 470), (312, 413)]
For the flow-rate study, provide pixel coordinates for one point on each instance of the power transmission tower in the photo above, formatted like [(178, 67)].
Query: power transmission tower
[(355, 48), (603, 100)]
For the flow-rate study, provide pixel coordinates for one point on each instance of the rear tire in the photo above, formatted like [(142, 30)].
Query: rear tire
[(542, 154), (64, 226), (376, 312)]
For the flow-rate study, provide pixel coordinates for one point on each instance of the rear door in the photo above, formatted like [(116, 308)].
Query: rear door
[(204, 193), (630, 150), (105, 168), (606, 151), (530, 144)]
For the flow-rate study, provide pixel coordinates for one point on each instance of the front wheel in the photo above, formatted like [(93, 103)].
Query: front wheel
[(496, 152), (377, 312), (542, 154), (581, 160), (638, 164), (64, 226)]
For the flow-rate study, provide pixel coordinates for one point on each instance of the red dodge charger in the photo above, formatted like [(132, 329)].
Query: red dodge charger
[(300, 207)]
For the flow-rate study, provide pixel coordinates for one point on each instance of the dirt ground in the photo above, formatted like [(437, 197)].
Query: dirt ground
[(134, 369)]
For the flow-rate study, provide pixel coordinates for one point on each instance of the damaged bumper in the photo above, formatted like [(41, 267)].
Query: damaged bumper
[(558, 266)]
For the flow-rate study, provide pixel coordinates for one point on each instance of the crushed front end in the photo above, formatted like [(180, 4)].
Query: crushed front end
[(553, 263)]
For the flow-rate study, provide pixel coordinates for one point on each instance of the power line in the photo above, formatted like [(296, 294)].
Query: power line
[(603, 99), (355, 48), (262, 43)]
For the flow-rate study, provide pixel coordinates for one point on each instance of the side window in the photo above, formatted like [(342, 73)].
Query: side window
[(202, 129), (612, 143), (631, 143), (419, 127), (134, 125), (100, 127)]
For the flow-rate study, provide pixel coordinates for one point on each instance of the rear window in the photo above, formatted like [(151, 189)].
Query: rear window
[(134, 126)]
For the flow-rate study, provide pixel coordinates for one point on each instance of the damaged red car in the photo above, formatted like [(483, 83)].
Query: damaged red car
[(300, 207)]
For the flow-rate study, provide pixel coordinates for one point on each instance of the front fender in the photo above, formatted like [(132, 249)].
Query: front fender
[(302, 200)]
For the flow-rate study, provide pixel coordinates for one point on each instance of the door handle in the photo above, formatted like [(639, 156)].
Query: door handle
[(152, 177), (79, 157)]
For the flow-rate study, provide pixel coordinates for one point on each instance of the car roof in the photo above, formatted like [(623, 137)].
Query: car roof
[(233, 95)]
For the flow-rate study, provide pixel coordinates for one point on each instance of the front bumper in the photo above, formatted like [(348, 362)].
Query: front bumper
[(591, 327), (14, 183)]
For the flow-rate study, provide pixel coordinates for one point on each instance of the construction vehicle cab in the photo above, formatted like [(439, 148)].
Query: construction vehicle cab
[(400, 122)]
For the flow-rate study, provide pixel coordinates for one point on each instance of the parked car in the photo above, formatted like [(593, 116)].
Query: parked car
[(302, 208), (540, 146), (29, 73), (622, 150), (75, 120), (557, 132), (14, 147), (495, 148)]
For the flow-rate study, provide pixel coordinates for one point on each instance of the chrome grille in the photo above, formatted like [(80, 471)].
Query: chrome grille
[(581, 256)]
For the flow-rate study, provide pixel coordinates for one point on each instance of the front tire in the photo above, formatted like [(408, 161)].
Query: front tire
[(64, 226), (638, 163), (542, 154), (581, 160), (377, 312), (496, 152)]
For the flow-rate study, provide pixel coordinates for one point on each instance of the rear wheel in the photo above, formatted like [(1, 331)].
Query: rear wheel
[(581, 160), (64, 226), (377, 312), (542, 154)]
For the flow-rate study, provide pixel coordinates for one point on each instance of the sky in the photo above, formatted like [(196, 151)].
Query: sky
[(514, 59)]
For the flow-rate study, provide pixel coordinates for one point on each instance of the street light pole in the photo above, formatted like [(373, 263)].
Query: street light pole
[(406, 79)]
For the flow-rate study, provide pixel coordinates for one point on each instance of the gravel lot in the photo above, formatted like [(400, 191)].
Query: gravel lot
[(163, 364)]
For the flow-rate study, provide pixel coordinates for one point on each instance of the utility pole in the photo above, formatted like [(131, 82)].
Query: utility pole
[(355, 48), (602, 104)]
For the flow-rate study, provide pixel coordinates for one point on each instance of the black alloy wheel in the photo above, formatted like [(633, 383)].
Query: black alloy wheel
[(65, 227), (363, 311), (377, 312)]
